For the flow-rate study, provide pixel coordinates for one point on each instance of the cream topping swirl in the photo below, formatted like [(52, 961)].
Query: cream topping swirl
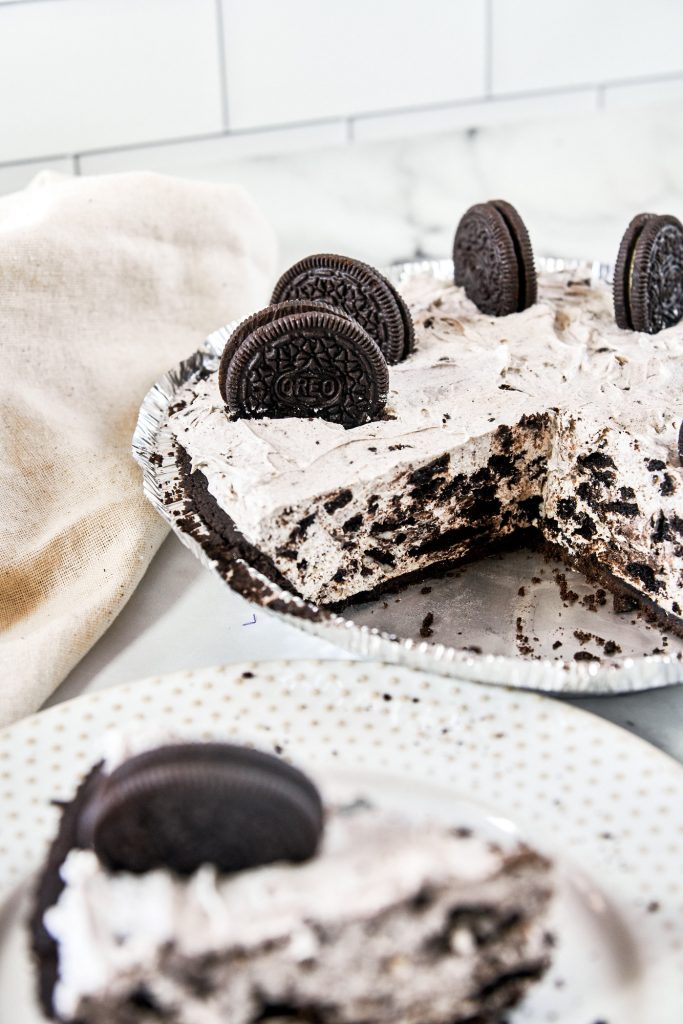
[(469, 374), (108, 925)]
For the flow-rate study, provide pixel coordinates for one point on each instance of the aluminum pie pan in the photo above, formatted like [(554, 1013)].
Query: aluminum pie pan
[(153, 449)]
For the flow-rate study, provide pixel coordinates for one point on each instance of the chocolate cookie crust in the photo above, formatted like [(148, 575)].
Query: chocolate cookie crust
[(532, 535), (50, 886)]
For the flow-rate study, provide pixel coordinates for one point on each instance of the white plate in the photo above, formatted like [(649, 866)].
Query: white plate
[(484, 628), (605, 804)]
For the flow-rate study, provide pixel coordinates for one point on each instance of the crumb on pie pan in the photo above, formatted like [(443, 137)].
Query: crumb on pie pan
[(398, 639)]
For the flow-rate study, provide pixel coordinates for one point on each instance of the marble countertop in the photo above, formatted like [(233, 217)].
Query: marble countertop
[(576, 181)]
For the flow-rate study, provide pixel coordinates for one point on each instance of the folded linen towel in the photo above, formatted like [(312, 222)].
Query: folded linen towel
[(105, 283)]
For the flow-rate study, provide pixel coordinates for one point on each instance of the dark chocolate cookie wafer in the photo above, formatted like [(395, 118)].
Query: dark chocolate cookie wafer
[(528, 287), (50, 884), (622, 271), (185, 805), (408, 327), (493, 259), (308, 364), (263, 316), (648, 275), (360, 290)]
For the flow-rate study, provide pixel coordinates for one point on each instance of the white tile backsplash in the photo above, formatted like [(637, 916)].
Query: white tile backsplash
[(202, 156), (115, 83), (645, 94), (474, 115), (541, 44), (305, 59), (90, 74)]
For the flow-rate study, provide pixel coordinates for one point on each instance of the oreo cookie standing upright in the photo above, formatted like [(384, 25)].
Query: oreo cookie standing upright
[(319, 363), (408, 326), (622, 271), (263, 316), (358, 289), (648, 274), (493, 259)]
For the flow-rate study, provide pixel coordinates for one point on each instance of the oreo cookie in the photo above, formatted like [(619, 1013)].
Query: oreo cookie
[(622, 271), (648, 274), (408, 327), (250, 323), (361, 291), (680, 444), (318, 363), (184, 805), (493, 259)]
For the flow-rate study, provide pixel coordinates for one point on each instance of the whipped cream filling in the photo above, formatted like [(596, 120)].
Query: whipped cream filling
[(113, 926), (564, 352), (564, 358)]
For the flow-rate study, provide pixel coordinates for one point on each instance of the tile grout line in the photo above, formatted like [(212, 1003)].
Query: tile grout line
[(350, 120), (45, 159), (222, 64), (132, 147), (15, 3)]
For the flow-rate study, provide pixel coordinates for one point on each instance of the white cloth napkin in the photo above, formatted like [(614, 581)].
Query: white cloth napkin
[(105, 283)]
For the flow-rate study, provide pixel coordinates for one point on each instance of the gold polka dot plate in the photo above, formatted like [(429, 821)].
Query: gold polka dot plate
[(515, 619), (604, 804)]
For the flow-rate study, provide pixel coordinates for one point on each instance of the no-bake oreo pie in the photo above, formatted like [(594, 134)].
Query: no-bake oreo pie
[(542, 421), (195, 884)]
